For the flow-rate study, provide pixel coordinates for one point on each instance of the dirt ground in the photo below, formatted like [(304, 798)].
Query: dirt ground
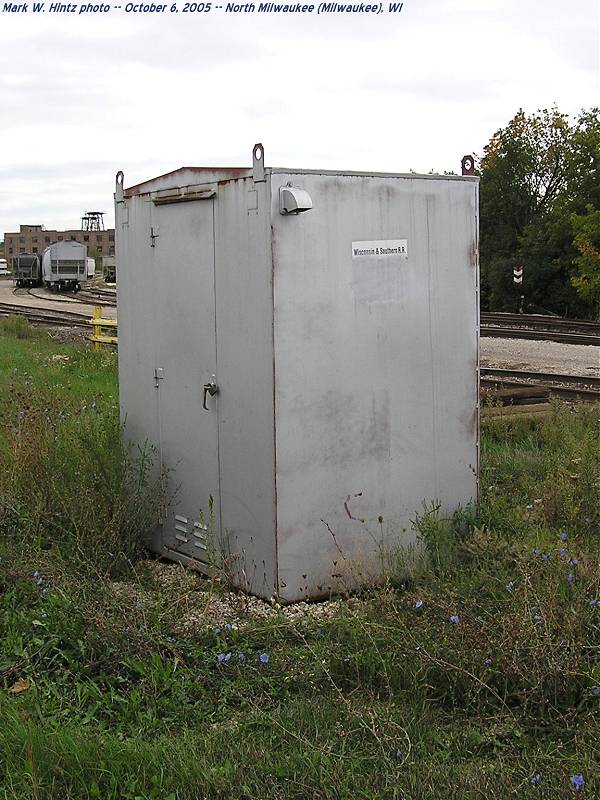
[(42, 298)]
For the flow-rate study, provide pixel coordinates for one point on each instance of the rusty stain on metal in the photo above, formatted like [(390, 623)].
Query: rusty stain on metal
[(226, 174)]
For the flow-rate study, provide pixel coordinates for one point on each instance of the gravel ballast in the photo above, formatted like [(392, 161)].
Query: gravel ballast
[(538, 356)]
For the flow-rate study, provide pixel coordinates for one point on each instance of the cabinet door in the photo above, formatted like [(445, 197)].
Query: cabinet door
[(182, 235)]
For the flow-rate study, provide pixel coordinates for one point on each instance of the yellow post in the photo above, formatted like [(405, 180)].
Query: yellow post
[(96, 322)]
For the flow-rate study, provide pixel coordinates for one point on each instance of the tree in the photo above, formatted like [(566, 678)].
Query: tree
[(537, 173), (587, 241)]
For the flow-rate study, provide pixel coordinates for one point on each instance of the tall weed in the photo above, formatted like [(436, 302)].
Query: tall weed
[(70, 484)]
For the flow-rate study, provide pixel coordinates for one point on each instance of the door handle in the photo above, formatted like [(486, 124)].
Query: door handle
[(209, 389)]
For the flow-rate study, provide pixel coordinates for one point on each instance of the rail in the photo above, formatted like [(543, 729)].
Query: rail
[(542, 328)]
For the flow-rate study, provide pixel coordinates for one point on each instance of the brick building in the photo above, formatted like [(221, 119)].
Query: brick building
[(35, 238)]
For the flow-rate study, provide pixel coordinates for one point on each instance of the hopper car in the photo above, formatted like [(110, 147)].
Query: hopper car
[(64, 266), (27, 270)]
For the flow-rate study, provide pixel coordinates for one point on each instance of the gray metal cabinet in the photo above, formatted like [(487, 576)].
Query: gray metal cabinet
[(300, 348), (184, 279)]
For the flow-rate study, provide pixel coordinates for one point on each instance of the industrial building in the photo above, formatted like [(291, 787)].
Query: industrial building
[(35, 238)]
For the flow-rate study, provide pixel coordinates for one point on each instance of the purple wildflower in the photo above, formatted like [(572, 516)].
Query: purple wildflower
[(537, 618), (536, 779), (593, 603), (564, 536), (318, 632), (510, 586), (545, 556), (488, 662), (264, 658), (40, 581), (562, 552), (574, 562), (216, 631), (529, 506), (419, 604), (570, 577), (35, 574), (227, 626), (223, 658), (577, 781), (455, 619), (242, 657), (536, 552)]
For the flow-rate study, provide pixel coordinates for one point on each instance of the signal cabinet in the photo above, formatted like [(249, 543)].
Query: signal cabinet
[(300, 347)]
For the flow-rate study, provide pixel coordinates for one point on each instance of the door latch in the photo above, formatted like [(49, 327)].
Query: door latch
[(211, 389)]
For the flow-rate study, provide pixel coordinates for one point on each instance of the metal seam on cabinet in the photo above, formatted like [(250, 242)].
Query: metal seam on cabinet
[(217, 367)]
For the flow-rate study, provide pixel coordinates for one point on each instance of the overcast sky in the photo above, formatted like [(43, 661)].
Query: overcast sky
[(84, 96)]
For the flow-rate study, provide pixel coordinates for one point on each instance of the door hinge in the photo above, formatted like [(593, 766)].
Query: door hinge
[(154, 234), (159, 375)]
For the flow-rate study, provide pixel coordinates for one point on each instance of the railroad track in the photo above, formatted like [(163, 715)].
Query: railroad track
[(540, 321), (95, 297), (541, 335), (63, 319), (541, 377), (547, 384), (544, 328), (65, 297)]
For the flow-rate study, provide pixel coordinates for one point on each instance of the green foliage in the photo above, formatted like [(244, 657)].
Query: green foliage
[(536, 174), (20, 328), (68, 482), (586, 228)]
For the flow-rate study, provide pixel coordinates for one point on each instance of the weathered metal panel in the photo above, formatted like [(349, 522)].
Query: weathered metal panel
[(347, 376), (376, 369), (185, 176), (191, 285), (244, 301), (182, 237), (167, 352), (138, 304)]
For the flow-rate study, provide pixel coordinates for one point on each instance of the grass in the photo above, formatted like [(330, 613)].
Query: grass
[(68, 482), (107, 694)]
